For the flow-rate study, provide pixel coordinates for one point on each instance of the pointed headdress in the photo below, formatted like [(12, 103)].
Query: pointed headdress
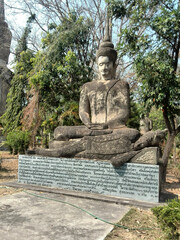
[(106, 48)]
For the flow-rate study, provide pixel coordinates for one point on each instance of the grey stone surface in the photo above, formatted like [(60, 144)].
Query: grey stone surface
[(68, 150), (5, 79), (5, 36), (5, 73), (120, 159), (104, 102), (5, 41), (71, 132), (87, 155), (28, 217), (108, 144), (57, 144), (149, 139), (135, 181), (148, 155), (146, 125)]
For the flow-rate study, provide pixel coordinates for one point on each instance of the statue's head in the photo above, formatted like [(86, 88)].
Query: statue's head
[(106, 56), (106, 49)]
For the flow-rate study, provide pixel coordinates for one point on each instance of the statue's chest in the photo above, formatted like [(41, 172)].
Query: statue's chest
[(98, 99)]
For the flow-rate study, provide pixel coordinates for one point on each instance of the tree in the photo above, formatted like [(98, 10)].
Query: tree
[(17, 99), (53, 13), (17, 96), (156, 115), (152, 40), (59, 70), (23, 41), (65, 62)]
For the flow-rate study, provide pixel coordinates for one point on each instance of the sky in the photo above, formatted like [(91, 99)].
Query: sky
[(17, 21)]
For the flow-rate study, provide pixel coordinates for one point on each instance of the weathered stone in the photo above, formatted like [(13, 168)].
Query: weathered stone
[(97, 156), (70, 132), (5, 79), (5, 37), (120, 159), (104, 102), (131, 133), (5, 73), (69, 151), (146, 125), (108, 144), (5, 42), (149, 155), (149, 139), (57, 144)]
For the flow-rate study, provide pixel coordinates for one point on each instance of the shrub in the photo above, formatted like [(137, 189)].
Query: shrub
[(18, 141), (169, 218)]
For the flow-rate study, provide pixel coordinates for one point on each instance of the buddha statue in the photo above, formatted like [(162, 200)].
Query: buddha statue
[(104, 105), (104, 109)]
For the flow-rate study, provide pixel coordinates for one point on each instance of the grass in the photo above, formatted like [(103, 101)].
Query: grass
[(144, 223)]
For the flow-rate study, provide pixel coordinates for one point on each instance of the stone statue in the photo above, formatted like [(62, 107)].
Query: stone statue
[(104, 105), (5, 73), (5, 37), (104, 109), (146, 125)]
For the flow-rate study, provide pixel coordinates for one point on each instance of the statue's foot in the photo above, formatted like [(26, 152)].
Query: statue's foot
[(120, 159)]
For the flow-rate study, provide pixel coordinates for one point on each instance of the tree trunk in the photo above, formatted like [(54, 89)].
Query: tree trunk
[(166, 153), (174, 151)]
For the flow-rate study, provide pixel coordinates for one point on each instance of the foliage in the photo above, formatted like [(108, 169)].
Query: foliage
[(160, 85), (23, 41), (18, 141), (169, 218), (64, 65), (151, 39), (156, 115), (16, 99), (59, 70), (134, 118), (70, 116)]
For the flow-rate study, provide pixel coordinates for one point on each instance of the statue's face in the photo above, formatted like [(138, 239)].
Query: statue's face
[(106, 67)]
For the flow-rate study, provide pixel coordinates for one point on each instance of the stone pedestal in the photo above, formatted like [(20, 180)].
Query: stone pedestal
[(133, 181)]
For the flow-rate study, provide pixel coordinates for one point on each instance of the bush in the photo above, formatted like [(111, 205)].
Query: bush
[(18, 141), (169, 218)]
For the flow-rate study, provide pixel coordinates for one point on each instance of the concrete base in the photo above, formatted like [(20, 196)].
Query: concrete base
[(30, 217), (134, 181)]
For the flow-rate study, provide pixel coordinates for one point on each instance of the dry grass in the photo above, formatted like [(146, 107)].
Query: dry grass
[(144, 224)]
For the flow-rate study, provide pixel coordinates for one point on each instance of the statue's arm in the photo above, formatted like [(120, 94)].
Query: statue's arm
[(84, 107)]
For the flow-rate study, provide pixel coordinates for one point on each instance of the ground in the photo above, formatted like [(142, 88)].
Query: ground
[(143, 221)]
